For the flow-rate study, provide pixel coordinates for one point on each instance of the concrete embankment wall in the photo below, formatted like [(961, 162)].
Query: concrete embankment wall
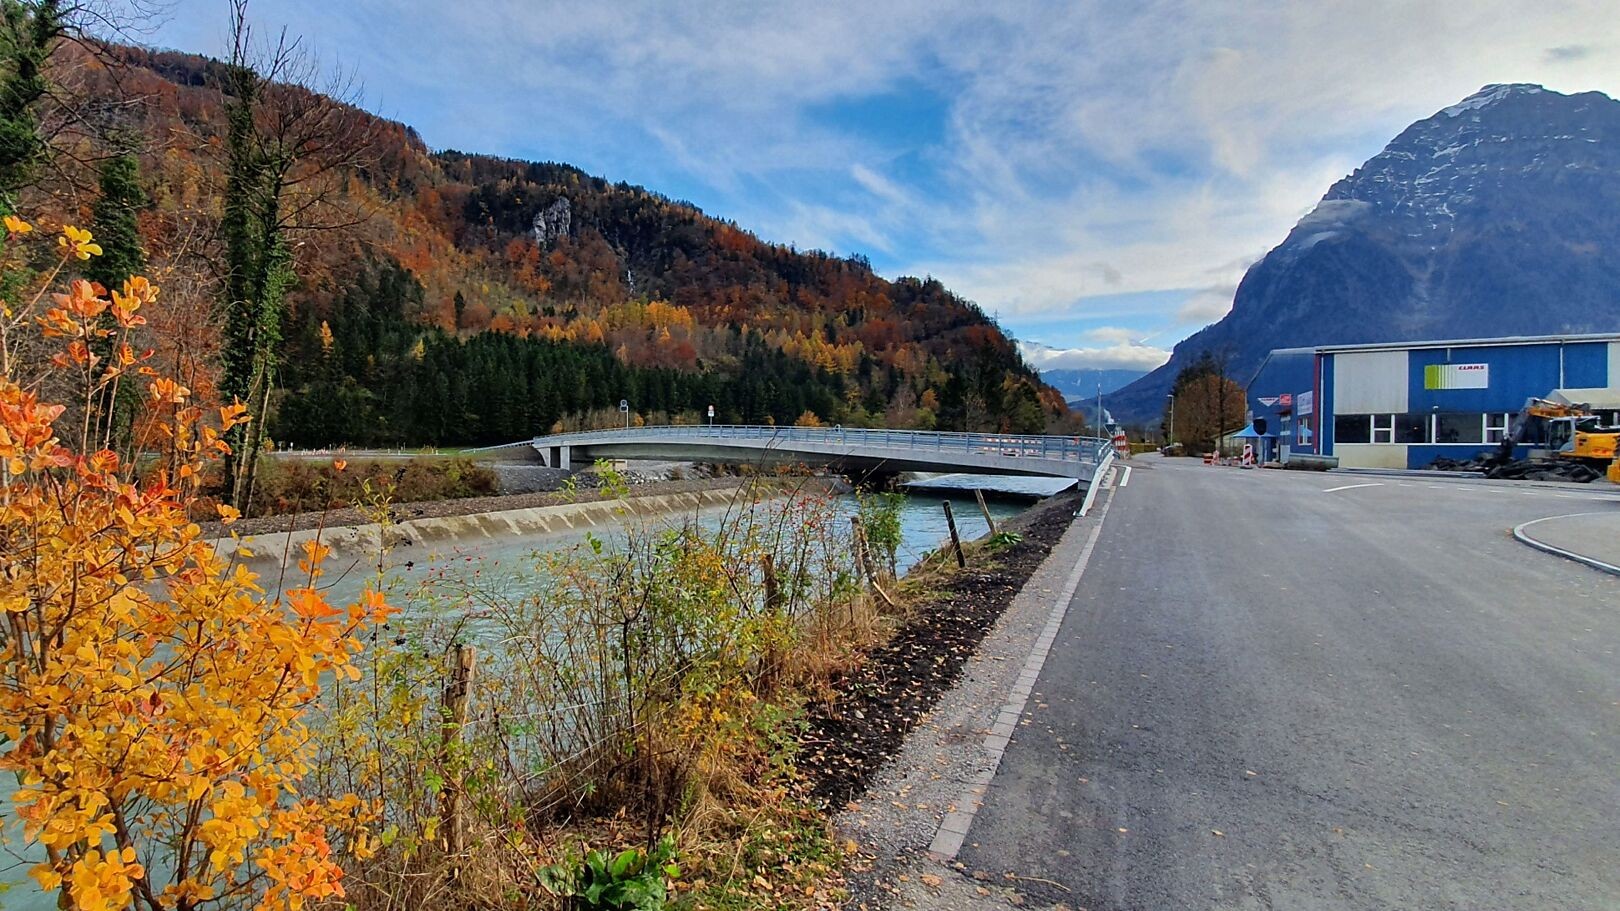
[(362, 541)]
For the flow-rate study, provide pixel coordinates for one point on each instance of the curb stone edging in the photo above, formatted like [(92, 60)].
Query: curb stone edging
[(953, 829), (1524, 537)]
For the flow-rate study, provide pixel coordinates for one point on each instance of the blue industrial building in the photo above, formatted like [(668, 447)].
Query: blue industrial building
[(1404, 404)]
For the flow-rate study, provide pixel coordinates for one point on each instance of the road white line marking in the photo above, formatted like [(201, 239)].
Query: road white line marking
[(953, 829), (1351, 487), (1125, 480)]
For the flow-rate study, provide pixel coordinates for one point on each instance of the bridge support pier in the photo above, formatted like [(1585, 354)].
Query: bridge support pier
[(556, 457)]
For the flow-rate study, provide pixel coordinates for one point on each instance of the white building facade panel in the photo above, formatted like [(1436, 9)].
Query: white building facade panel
[(1370, 382)]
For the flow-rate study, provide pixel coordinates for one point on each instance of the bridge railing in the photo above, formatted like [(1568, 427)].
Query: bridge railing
[(1038, 446)]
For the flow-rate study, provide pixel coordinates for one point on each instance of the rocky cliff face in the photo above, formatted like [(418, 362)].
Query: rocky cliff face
[(1499, 215), (552, 222)]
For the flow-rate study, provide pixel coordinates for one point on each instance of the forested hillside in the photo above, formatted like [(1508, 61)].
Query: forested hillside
[(444, 297)]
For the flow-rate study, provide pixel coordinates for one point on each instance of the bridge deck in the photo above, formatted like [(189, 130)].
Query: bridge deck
[(896, 450)]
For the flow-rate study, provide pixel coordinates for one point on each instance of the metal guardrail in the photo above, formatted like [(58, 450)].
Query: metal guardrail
[(1058, 448)]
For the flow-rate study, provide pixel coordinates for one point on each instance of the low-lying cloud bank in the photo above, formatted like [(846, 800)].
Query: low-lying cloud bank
[(1117, 355)]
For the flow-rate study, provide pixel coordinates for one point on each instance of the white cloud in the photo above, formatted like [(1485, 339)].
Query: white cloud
[(881, 187), (1115, 335), (1206, 306), (1120, 355), (1088, 149)]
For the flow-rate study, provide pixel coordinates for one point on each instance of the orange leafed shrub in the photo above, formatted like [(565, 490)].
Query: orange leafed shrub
[(152, 696)]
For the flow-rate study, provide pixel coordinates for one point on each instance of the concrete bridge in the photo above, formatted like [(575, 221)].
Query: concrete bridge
[(853, 450)]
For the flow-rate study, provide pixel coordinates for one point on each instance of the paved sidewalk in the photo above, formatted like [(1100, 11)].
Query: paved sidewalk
[(1592, 538), (899, 819)]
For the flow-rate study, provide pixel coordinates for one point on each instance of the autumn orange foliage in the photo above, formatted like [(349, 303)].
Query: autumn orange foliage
[(153, 696)]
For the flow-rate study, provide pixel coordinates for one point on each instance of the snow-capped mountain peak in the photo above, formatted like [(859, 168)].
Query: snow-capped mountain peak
[(1489, 95), (1492, 217)]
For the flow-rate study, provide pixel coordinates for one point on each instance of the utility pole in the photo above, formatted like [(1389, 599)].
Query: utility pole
[(1170, 432), (1102, 429)]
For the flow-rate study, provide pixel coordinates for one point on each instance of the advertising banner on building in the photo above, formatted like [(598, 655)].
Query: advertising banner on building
[(1307, 403), (1457, 376)]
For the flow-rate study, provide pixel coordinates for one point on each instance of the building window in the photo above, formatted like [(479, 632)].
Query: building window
[(1383, 428), (1411, 428), (1458, 428), (1496, 425), (1351, 428), (1304, 437)]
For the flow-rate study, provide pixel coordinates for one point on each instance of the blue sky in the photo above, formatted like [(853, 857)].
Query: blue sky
[(1096, 175)]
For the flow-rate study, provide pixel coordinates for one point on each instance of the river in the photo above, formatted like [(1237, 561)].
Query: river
[(505, 567)]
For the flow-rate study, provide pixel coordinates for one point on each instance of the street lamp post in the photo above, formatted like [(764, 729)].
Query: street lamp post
[(1170, 433)]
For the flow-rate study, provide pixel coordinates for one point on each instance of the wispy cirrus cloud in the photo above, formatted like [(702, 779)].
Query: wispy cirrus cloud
[(1051, 160)]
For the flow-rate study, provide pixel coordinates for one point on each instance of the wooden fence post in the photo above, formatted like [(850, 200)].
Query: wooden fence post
[(956, 540), (984, 508), (773, 593), (457, 699)]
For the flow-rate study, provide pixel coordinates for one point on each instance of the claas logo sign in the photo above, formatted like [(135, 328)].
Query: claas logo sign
[(1457, 376)]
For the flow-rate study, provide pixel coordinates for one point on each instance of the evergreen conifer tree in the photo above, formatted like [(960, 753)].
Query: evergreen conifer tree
[(113, 221)]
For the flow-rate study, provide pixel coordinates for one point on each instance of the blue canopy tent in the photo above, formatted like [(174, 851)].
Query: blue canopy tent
[(1265, 446)]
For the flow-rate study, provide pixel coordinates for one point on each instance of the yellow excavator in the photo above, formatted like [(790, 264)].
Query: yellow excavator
[(1568, 432)]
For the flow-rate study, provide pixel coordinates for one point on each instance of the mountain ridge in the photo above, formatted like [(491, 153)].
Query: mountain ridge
[(1493, 216)]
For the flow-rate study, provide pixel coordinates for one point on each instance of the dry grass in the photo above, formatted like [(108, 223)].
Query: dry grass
[(677, 680), (304, 485)]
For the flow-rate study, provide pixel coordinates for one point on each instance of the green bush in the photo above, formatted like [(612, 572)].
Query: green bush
[(880, 520), (1002, 540), (631, 880)]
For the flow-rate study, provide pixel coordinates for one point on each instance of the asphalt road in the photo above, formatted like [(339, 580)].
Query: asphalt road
[(1270, 694)]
